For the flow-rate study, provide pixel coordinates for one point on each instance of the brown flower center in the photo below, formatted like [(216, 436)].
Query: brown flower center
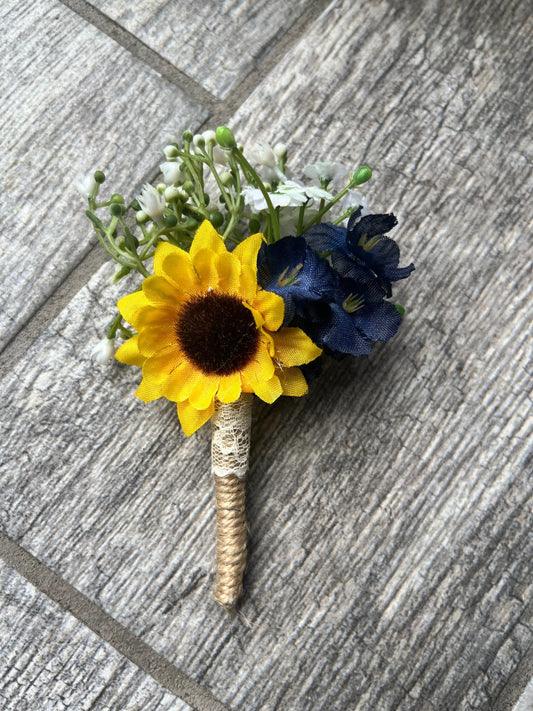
[(217, 333)]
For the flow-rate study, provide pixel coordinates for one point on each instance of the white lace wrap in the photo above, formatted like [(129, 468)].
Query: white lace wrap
[(230, 444)]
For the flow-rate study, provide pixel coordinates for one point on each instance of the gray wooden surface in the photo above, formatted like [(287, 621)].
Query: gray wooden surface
[(390, 511), (72, 101), (216, 44), (49, 660)]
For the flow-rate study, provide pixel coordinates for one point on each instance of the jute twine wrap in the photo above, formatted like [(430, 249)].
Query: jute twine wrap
[(229, 454)]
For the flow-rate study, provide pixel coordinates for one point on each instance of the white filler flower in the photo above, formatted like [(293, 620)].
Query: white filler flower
[(152, 202), (288, 194), (103, 350), (171, 172), (327, 170), (85, 184)]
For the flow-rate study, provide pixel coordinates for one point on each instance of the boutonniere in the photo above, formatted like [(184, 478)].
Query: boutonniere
[(249, 276)]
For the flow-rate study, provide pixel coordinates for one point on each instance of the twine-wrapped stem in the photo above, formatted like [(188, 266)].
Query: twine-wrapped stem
[(229, 453)]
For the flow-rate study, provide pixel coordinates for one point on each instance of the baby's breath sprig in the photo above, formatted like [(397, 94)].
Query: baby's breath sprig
[(208, 177)]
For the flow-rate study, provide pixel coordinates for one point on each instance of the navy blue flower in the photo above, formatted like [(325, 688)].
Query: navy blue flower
[(305, 281), (358, 316), (363, 241), (339, 303)]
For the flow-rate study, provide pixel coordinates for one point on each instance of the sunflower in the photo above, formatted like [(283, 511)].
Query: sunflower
[(207, 331)]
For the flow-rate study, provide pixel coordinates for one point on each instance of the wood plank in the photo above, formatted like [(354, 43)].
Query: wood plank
[(525, 702), (72, 99), (390, 510), (48, 660), (216, 44)]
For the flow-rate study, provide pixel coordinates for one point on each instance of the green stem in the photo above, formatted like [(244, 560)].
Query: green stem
[(299, 227), (189, 162), (326, 208), (113, 326), (274, 217)]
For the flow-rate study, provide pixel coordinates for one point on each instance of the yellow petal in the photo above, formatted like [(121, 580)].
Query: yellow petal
[(292, 381), (203, 393), (246, 252), (129, 352), (192, 419), (248, 288), (158, 367), (259, 376), (206, 268), (272, 308), (264, 361), (294, 347), (267, 390), (159, 290), (148, 390), (178, 269), (162, 251), (130, 305), (259, 320), (230, 388), (245, 385), (267, 339), (229, 270), (181, 381), (155, 339), (156, 317), (206, 237)]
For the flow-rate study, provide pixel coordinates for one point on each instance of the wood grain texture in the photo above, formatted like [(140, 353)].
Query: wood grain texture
[(72, 100), (216, 44), (525, 702), (51, 662), (390, 511)]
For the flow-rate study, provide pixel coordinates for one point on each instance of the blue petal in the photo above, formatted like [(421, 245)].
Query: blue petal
[(379, 322), (326, 237), (366, 242), (295, 272), (340, 335)]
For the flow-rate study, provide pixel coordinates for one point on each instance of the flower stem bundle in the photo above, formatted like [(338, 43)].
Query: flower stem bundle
[(230, 446)]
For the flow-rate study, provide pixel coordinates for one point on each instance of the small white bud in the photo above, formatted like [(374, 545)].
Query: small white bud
[(161, 187), (226, 178), (171, 172), (152, 202), (280, 150), (141, 216), (170, 151), (172, 194), (103, 350), (85, 184), (264, 155), (198, 140), (210, 137)]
